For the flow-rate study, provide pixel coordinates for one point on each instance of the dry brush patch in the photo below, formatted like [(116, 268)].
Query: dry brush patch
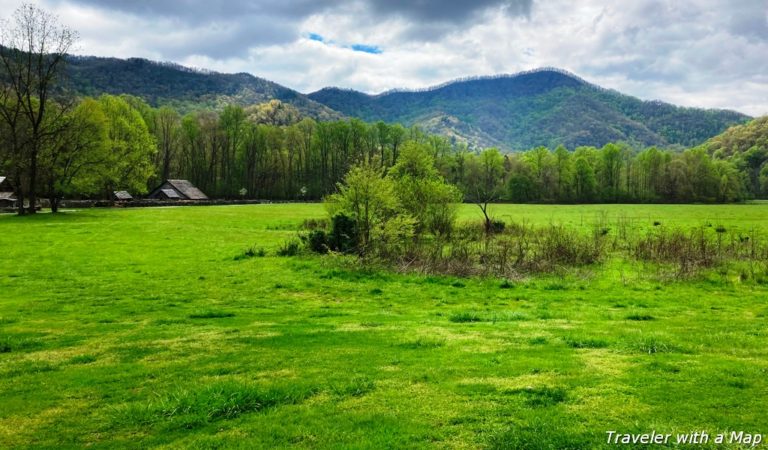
[(516, 250)]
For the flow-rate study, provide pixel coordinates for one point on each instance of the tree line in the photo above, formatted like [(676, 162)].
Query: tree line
[(406, 217), (55, 146), (269, 152), (615, 173)]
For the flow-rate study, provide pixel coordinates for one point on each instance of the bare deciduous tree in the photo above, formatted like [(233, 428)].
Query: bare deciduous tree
[(33, 49)]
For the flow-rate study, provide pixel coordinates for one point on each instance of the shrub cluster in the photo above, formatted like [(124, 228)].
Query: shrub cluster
[(514, 249), (511, 250), (406, 218), (341, 237)]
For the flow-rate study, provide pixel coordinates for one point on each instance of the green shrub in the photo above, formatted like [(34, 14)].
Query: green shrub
[(317, 241), (497, 226), (314, 224), (251, 252), (343, 236), (289, 248), (394, 238)]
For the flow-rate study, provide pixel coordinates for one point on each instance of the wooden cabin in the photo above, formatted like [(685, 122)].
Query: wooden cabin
[(7, 196), (177, 190), (122, 196)]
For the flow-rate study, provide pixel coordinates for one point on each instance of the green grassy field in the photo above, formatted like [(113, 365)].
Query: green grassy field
[(141, 328)]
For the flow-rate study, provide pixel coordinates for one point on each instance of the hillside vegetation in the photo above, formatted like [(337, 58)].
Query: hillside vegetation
[(746, 146), (545, 107), (182, 88), (740, 139)]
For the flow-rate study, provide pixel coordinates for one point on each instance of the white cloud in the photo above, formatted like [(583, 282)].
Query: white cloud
[(706, 53)]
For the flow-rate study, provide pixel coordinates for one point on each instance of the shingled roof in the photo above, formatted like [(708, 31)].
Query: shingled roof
[(178, 190), (171, 194), (122, 195), (188, 190)]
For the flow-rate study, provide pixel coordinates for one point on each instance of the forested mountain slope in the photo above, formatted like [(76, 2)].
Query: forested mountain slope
[(543, 107), (746, 146), (181, 87), (751, 136)]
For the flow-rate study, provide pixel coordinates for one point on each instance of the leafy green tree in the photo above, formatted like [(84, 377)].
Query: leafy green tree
[(422, 191), (167, 134), (192, 161), (33, 49), (483, 182), (564, 174), (77, 158), (543, 166), (701, 181), (650, 164), (751, 163), (231, 122), (132, 147), (677, 183), (610, 171), (730, 186), (764, 180), (521, 180), (584, 181), (369, 198), (273, 112), (396, 136)]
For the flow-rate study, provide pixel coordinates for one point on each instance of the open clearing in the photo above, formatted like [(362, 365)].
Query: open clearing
[(142, 328)]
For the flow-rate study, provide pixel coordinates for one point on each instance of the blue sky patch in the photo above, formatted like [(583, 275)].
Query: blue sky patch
[(316, 37), (373, 49)]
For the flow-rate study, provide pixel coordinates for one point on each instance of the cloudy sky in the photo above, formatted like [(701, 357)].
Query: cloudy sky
[(707, 53)]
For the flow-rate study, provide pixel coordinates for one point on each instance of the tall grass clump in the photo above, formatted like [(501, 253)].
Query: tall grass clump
[(516, 249), (702, 247), (197, 406), (405, 218), (507, 252)]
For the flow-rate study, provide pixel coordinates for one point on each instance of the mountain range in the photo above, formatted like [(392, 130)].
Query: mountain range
[(543, 107), (182, 88)]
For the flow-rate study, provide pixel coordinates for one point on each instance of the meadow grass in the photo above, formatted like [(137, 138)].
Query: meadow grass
[(182, 328)]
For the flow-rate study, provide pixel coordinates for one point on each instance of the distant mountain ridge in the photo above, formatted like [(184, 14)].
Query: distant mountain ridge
[(467, 79), (545, 106), (182, 87), (542, 107)]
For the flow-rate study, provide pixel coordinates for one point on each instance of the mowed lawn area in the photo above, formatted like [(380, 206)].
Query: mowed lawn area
[(137, 328)]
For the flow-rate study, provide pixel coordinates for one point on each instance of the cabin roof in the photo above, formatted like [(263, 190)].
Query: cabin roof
[(122, 195), (187, 189), (170, 193)]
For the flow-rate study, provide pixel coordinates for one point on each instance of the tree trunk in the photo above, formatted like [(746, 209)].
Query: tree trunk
[(32, 182), (19, 192), (484, 209), (20, 204), (52, 196)]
